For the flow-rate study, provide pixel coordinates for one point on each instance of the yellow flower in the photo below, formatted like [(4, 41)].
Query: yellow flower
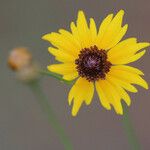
[(97, 58)]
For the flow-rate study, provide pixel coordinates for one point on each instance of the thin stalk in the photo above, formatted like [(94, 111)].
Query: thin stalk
[(131, 135), (56, 76), (47, 109)]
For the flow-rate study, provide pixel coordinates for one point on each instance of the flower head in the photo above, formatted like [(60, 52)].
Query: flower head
[(96, 57)]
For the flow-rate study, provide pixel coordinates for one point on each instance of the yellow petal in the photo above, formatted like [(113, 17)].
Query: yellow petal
[(81, 20), (76, 105), (75, 96), (102, 95), (61, 55), (61, 42), (75, 32), (93, 30), (128, 69), (103, 27), (81, 91), (71, 76), (118, 37), (112, 30), (116, 99), (130, 59), (73, 92), (125, 50), (123, 83), (66, 68), (83, 30), (71, 38), (112, 96), (128, 77), (120, 90), (120, 47)]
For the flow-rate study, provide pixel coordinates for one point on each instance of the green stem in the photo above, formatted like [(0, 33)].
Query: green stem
[(56, 76), (132, 138), (46, 108)]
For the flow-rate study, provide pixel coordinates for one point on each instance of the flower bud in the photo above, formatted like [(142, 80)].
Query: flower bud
[(20, 60)]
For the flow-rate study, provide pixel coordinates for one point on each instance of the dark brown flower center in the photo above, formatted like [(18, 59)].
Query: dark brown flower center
[(92, 64)]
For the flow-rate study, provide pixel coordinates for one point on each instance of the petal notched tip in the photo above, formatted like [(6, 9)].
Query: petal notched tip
[(75, 108), (50, 49), (80, 12), (126, 27), (147, 44), (50, 36), (50, 68), (134, 90), (120, 113), (146, 85), (121, 12), (118, 110), (44, 37)]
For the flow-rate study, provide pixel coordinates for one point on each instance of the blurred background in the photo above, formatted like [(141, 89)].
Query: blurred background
[(22, 123)]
